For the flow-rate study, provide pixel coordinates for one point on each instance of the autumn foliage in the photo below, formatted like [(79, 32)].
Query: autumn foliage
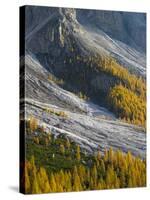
[(127, 105), (113, 170), (125, 81)]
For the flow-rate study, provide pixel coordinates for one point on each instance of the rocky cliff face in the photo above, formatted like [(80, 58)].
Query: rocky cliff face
[(127, 27), (53, 31)]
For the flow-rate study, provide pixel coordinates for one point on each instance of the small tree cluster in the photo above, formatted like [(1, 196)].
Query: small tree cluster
[(32, 124), (127, 105)]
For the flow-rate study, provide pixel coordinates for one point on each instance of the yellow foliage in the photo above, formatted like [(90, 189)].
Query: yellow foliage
[(117, 171), (33, 123), (56, 80), (127, 105), (56, 112)]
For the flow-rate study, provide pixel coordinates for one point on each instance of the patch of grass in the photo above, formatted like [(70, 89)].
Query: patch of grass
[(50, 155)]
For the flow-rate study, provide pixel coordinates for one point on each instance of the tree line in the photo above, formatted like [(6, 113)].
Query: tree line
[(112, 170)]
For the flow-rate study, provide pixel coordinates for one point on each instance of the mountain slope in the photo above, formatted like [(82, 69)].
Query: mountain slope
[(72, 64), (61, 31), (127, 27), (89, 125)]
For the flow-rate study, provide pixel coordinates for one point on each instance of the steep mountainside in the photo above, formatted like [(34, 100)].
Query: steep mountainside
[(90, 126), (61, 44), (56, 31), (130, 28), (74, 59)]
